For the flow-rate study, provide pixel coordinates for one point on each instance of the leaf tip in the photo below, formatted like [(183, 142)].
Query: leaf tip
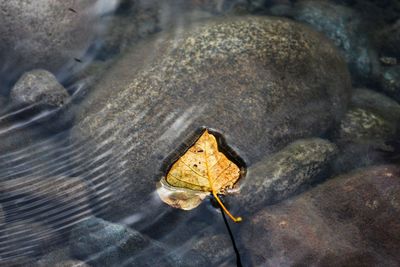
[(238, 219)]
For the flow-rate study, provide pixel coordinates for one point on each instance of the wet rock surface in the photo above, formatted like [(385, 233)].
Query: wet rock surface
[(390, 82), (279, 176), (36, 34), (1, 216), (352, 220), (147, 106), (365, 131), (132, 21), (389, 38), (216, 248), (39, 87), (25, 240), (269, 86), (59, 258), (103, 243), (345, 28), (378, 103), (39, 212), (360, 125)]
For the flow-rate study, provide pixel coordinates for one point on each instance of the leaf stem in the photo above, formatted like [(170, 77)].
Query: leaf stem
[(235, 219)]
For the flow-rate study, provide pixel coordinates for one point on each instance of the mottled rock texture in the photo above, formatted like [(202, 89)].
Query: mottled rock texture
[(278, 177), (43, 34), (39, 87), (261, 82)]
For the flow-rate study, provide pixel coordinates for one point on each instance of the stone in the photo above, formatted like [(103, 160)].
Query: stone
[(285, 173), (366, 130), (390, 82), (388, 61), (39, 87), (102, 243), (44, 34), (351, 220), (376, 102), (345, 28), (276, 77)]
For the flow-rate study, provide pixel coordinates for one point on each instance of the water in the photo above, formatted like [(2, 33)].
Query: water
[(101, 154)]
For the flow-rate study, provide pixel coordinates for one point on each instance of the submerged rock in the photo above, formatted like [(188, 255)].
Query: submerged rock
[(352, 220), (344, 27), (389, 39), (371, 122), (39, 87), (132, 21), (21, 242), (217, 249), (378, 103), (2, 218), (363, 126), (39, 34), (261, 82), (59, 202), (102, 243), (59, 258), (390, 82), (278, 177)]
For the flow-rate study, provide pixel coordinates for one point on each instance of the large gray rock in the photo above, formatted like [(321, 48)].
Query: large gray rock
[(39, 87), (278, 177), (44, 34), (351, 220), (261, 82)]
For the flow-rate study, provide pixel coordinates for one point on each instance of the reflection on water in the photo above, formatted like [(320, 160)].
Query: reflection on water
[(68, 199)]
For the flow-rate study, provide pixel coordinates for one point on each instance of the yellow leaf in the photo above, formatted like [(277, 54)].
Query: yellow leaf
[(202, 170)]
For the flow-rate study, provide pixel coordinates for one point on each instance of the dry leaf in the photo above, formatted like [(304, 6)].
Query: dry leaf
[(202, 170)]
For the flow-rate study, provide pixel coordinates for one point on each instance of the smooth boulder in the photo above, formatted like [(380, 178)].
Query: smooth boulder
[(260, 82), (275, 178), (351, 220)]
